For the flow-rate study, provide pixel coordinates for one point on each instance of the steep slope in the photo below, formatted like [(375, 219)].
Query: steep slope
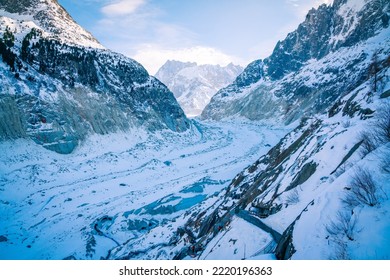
[(325, 57), (58, 84), (309, 188), (323, 191), (193, 85), (50, 17)]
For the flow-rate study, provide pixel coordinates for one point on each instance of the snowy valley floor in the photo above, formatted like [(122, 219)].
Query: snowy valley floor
[(115, 189)]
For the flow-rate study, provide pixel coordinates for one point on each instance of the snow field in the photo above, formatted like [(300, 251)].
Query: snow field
[(117, 188)]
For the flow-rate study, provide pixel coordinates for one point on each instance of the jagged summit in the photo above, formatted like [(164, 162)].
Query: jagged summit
[(48, 16), (170, 68), (323, 58), (325, 30), (193, 85)]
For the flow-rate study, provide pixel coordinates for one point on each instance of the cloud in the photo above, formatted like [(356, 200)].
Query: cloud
[(139, 29), (301, 7), (293, 2), (153, 57), (123, 7), (306, 3), (142, 35), (327, 2), (141, 24)]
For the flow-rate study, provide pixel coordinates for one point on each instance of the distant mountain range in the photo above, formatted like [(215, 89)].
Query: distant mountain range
[(193, 85)]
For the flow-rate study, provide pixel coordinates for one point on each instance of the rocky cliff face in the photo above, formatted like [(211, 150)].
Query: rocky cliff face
[(325, 57), (301, 193), (335, 68), (193, 85), (58, 84)]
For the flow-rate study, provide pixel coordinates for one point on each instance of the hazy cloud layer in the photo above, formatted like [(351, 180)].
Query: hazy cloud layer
[(202, 31), (123, 7)]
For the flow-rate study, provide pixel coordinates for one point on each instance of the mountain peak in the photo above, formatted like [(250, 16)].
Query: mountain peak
[(67, 86), (302, 65), (193, 85), (50, 17), (20, 6), (178, 64), (171, 68)]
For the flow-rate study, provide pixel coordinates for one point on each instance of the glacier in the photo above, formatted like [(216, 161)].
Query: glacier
[(290, 161), (116, 188)]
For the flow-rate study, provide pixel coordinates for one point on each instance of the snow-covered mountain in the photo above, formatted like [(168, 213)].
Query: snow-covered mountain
[(323, 191), (47, 16), (317, 188), (58, 84), (324, 58), (193, 85)]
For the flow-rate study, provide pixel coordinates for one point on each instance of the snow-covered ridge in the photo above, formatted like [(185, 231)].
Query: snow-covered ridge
[(193, 85), (349, 14), (58, 85), (300, 194), (49, 17), (352, 30)]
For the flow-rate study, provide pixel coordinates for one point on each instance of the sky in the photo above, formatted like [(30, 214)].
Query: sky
[(202, 31)]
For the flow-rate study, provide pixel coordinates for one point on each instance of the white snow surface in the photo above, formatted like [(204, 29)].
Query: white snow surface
[(126, 194), (349, 12), (50, 18), (241, 240), (84, 204), (321, 197)]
